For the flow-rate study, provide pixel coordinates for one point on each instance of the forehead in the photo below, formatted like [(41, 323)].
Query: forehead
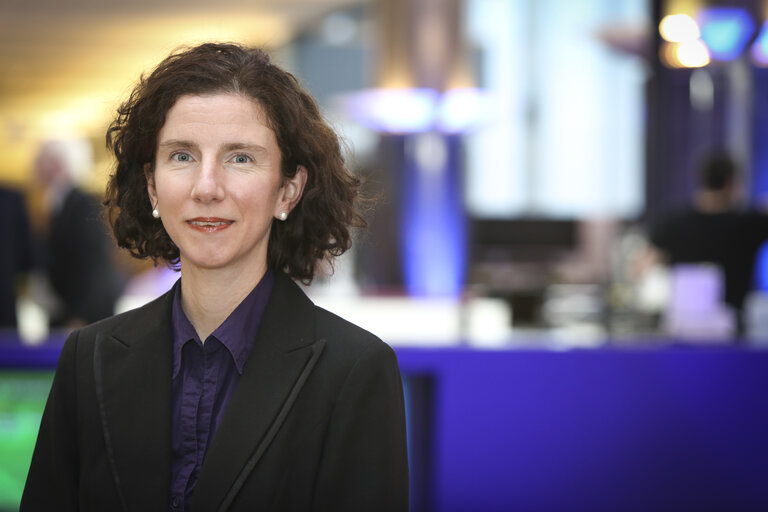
[(217, 115)]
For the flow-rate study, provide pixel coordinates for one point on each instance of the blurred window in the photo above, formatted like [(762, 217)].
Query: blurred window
[(567, 138)]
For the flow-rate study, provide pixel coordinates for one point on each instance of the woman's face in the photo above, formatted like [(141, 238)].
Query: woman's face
[(217, 182)]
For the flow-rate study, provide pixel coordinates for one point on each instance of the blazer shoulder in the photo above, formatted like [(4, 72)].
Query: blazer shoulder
[(349, 337), (150, 311)]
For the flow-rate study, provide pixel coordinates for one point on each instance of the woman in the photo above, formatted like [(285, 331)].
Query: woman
[(232, 391)]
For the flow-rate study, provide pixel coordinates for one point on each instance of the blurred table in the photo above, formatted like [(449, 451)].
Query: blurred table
[(682, 428)]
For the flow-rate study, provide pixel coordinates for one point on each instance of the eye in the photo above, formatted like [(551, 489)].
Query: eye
[(181, 157), (241, 159)]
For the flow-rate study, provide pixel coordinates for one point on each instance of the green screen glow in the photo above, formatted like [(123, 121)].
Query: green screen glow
[(22, 399)]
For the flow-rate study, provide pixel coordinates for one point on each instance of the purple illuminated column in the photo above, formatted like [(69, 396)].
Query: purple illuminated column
[(421, 47)]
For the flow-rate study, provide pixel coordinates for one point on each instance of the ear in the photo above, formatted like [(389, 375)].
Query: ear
[(151, 190), (291, 191)]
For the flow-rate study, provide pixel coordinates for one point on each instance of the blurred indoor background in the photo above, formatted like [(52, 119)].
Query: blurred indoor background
[(521, 153)]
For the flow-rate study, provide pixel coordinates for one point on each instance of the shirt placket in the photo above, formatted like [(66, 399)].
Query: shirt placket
[(211, 369), (191, 400)]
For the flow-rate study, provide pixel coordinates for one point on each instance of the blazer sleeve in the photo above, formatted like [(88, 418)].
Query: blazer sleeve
[(365, 460), (52, 481)]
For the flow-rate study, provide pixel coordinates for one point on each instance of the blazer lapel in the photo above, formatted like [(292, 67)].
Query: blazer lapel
[(132, 371), (282, 358)]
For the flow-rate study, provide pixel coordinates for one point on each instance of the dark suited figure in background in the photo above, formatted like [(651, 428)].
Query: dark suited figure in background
[(714, 230), (77, 250), (16, 253)]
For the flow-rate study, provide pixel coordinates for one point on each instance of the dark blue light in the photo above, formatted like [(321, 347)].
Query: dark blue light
[(433, 235), (761, 269), (725, 31)]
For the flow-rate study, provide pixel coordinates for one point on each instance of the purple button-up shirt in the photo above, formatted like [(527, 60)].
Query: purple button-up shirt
[(204, 377)]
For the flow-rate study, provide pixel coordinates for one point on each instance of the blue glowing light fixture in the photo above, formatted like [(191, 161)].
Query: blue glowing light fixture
[(393, 110), (433, 231), (432, 223), (760, 47), (725, 31), (414, 110)]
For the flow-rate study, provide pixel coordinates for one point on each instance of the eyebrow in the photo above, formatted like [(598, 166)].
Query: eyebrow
[(173, 143), (236, 146), (232, 146)]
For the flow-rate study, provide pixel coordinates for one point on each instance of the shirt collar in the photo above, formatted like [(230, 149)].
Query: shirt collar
[(237, 333)]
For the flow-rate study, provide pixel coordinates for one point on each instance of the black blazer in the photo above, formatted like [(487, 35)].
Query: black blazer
[(316, 421)]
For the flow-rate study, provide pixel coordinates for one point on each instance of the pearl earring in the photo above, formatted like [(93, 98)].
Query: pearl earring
[(155, 213), (283, 215)]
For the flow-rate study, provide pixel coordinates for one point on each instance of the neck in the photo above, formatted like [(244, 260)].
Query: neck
[(713, 201), (208, 296)]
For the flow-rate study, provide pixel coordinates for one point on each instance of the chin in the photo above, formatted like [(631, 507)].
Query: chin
[(211, 262)]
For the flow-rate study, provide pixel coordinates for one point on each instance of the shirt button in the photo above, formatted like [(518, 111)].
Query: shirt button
[(175, 502)]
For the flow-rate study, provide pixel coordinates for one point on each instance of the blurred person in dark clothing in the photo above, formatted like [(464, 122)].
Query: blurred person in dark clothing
[(713, 229), (16, 255), (78, 250)]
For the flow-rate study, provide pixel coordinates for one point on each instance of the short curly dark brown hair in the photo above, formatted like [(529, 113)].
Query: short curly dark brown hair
[(319, 226)]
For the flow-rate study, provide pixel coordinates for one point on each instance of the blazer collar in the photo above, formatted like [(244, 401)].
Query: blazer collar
[(283, 356), (132, 372)]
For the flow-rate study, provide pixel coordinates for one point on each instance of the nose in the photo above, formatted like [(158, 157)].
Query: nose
[(208, 186)]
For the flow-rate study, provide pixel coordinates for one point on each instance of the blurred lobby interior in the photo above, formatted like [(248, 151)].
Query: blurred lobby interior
[(519, 152)]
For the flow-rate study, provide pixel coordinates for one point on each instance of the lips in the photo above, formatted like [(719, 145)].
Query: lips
[(209, 224)]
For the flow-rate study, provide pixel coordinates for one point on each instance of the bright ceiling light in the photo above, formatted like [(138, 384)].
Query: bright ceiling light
[(679, 28)]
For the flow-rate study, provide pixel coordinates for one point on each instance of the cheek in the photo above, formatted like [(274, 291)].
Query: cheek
[(260, 195), (168, 190)]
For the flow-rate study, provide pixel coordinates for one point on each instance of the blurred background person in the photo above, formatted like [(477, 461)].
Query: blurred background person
[(16, 256), (714, 229), (77, 250)]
